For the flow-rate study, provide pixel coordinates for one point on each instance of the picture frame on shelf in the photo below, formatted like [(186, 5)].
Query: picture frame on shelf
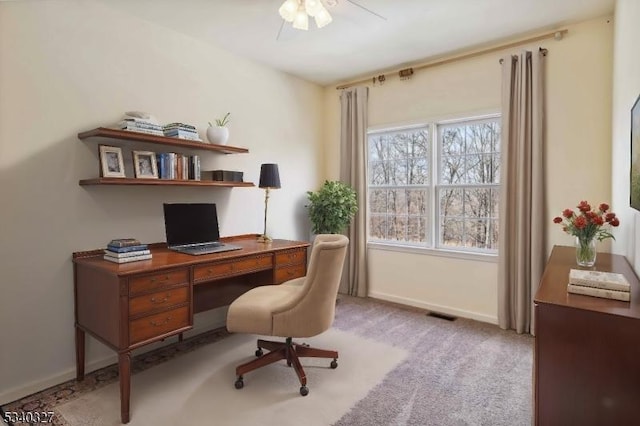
[(144, 165), (111, 161)]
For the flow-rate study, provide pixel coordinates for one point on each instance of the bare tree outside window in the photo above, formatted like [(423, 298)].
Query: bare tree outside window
[(468, 184), (459, 200), (399, 185)]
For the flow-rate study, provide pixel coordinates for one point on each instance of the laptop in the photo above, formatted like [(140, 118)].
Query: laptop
[(192, 228)]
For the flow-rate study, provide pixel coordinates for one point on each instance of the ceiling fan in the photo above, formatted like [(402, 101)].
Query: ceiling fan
[(297, 12)]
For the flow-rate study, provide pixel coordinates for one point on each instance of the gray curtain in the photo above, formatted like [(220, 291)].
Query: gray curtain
[(522, 196), (353, 166)]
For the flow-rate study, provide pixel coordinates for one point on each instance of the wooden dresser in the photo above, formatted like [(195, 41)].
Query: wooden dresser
[(587, 349), (129, 305)]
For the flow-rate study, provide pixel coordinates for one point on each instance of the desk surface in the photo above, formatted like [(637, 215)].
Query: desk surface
[(163, 258)]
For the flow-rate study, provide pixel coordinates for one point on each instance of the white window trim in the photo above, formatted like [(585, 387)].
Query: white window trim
[(433, 247)]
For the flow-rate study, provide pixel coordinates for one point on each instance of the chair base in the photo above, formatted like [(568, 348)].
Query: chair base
[(289, 350)]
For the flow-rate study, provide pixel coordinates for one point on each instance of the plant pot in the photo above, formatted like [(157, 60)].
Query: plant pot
[(217, 135)]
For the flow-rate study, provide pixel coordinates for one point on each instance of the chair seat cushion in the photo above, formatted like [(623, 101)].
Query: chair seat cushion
[(253, 311)]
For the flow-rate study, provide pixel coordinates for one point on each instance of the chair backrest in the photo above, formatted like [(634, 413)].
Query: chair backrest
[(313, 309)]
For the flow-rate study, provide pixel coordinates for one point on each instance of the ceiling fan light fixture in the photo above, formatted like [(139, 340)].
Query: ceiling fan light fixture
[(313, 7), (301, 20), (323, 18), (288, 10)]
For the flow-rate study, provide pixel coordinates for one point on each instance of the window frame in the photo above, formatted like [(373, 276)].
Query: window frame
[(433, 245)]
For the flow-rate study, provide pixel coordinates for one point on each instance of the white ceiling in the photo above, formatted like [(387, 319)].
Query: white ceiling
[(358, 43)]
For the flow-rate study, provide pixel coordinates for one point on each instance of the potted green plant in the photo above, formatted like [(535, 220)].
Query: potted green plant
[(219, 133), (332, 207)]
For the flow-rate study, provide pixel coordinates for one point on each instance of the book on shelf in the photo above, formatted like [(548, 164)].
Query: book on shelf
[(127, 259), (181, 134), (126, 253), (179, 126), (127, 249), (124, 242), (599, 279), (624, 296), (146, 131), (139, 125), (194, 167)]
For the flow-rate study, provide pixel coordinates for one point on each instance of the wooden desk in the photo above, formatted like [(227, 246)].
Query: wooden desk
[(126, 306), (587, 349)]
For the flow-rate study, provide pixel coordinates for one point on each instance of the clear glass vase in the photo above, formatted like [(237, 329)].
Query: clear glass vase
[(586, 252)]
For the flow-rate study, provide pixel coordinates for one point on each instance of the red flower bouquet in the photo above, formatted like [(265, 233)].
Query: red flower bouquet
[(587, 226)]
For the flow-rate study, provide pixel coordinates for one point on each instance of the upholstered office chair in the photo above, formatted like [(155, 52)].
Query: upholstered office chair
[(303, 307)]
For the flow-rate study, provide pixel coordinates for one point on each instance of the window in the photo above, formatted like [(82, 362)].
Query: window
[(452, 206)]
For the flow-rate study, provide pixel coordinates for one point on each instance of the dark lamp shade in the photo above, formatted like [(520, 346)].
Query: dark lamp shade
[(269, 176)]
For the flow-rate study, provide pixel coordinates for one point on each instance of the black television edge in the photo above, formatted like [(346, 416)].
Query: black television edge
[(634, 173)]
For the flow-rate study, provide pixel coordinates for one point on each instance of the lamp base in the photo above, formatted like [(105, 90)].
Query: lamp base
[(264, 239)]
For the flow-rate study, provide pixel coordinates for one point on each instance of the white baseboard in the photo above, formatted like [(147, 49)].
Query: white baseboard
[(434, 308), (212, 320)]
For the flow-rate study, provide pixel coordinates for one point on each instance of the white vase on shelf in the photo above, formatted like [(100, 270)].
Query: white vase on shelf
[(217, 135)]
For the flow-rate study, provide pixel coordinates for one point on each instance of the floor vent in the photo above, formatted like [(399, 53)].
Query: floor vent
[(442, 316)]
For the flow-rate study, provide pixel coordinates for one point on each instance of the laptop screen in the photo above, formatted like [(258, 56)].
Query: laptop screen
[(190, 223)]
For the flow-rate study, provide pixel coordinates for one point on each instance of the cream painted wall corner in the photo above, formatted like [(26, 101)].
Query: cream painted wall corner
[(626, 88)]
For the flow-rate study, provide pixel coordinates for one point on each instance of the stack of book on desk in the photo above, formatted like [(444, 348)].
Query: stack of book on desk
[(126, 250), (608, 285)]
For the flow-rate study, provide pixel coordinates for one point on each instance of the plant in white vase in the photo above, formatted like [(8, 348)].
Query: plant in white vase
[(219, 133)]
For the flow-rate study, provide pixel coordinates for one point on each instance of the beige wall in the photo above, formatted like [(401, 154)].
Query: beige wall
[(68, 66), (578, 155), (626, 88)]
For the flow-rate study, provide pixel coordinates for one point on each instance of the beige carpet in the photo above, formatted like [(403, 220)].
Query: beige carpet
[(197, 388)]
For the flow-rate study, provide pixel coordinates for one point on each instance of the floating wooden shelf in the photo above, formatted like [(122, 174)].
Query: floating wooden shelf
[(129, 136), (163, 182), (126, 135)]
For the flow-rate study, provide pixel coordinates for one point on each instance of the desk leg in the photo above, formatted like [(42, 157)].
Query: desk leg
[(79, 354), (124, 369)]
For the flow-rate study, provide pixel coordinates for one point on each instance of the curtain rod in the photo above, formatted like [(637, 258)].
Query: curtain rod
[(557, 34)]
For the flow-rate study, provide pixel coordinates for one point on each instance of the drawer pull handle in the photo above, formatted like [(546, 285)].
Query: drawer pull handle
[(154, 279), (291, 273), (154, 300), (158, 324)]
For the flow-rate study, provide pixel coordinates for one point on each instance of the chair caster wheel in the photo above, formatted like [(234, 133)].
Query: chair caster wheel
[(304, 391), (334, 364), (259, 352), (239, 383)]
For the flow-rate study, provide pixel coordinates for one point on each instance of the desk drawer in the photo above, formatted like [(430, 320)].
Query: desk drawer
[(214, 271), (161, 299), (156, 325), (291, 257), (288, 273), (157, 281)]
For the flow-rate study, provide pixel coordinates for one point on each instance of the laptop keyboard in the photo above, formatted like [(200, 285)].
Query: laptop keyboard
[(207, 249)]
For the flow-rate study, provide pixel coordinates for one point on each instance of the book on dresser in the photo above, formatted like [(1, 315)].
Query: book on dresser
[(124, 242), (599, 279), (127, 249), (624, 296), (124, 254), (127, 259)]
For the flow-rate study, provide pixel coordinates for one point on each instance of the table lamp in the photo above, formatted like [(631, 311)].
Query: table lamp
[(269, 179)]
